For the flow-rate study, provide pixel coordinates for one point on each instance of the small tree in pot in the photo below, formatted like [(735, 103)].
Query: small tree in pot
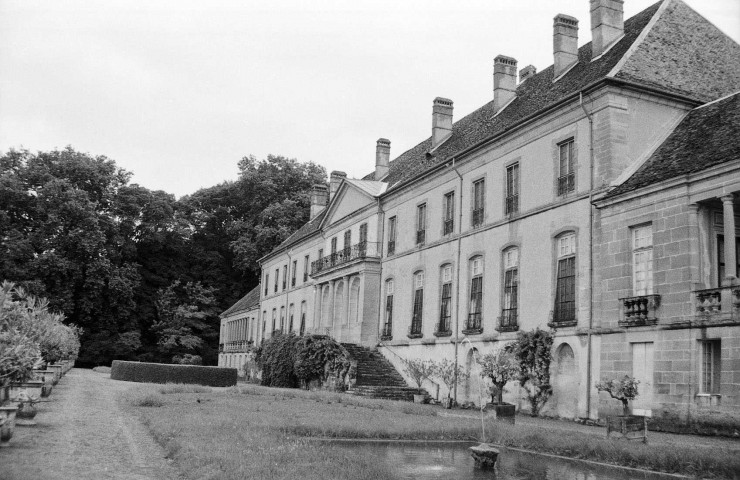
[(419, 370), (628, 426), (500, 368), (451, 375)]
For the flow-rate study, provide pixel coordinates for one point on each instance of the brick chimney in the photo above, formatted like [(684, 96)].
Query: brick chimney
[(382, 157), (607, 24), (335, 178), (319, 199), (526, 72), (564, 43), (504, 81), (441, 120)]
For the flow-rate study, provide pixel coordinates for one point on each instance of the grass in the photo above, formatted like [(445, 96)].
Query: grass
[(261, 432)]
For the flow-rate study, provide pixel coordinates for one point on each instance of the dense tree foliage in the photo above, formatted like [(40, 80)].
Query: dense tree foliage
[(141, 272)]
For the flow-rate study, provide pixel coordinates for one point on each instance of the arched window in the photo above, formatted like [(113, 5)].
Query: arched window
[(325, 307), (445, 306), (418, 310), (354, 300), (475, 309), (510, 308), (340, 316), (387, 333), (565, 287), (291, 313), (302, 329)]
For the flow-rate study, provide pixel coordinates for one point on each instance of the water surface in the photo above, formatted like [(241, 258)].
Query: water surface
[(432, 460)]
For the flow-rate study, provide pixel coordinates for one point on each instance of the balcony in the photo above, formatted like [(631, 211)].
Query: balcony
[(478, 214), (240, 346), (474, 325), (449, 226), (345, 256), (566, 183), (717, 304), (639, 311), (508, 321), (512, 204), (443, 328)]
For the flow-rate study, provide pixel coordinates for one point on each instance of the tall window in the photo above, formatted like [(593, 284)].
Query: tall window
[(421, 223), (267, 283), (478, 202), (475, 309), (710, 366), (642, 260), (295, 272), (510, 312), (274, 319), (392, 235), (285, 276), (565, 289), (333, 246), (303, 319), (321, 252), (363, 235), (347, 243), (305, 268), (566, 175), (264, 322), (282, 319), (445, 308), (277, 278), (721, 257), (418, 304), (448, 208), (388, 324), (512, 189), (291, 312)]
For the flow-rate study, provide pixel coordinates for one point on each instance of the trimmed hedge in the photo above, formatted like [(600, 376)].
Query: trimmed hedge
[(165, 373)]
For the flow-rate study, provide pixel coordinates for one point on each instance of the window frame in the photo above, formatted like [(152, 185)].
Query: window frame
[(565, 182), (421, 223), (566, 254), (644, 248), (448, 213), (478, 203), (306, 265), (387, 332), (512, 188), (444, 325), (474, 320), (511, 258), (417, 310), (710, 382), (392, 232)]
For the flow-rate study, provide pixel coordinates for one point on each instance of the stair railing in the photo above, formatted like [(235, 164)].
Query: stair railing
[(436, 384)]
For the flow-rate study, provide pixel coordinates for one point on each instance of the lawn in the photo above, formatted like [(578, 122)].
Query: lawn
[(261, 433)]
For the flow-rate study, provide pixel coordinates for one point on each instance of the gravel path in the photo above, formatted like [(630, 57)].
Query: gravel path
[(83, 434)]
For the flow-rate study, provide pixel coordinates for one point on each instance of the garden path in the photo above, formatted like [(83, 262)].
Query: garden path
[(83, 434)]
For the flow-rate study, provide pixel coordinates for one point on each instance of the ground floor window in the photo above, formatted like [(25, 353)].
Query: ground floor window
[(710, 366)]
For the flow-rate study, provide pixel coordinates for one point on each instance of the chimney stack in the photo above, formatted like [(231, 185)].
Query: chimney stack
[(504, 81), (607, 24), (441, 120), (319, 199), (526, 73), (335, 178), (382, 158), (564, 43)]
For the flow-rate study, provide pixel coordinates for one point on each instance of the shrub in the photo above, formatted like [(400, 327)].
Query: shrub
[(533, 353), (277, 361), (450, 374), (623, 390), (319, 357), (164, 373), (187, 359), (500, 368), (418, 370)]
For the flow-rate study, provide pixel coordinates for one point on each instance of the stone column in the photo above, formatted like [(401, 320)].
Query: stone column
[(694, 250), (729, 221)]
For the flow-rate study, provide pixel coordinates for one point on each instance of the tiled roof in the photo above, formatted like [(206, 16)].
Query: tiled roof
[(646, 65), (707, 136), (245, 303)]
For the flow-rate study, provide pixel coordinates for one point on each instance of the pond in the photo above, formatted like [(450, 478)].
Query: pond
[(444, 460)]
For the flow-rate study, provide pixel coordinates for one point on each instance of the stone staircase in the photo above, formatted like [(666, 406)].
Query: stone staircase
[(376, 376)]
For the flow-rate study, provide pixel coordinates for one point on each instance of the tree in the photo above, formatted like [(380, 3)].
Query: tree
[(419, 370), (533, 352), (183, 312), (450, 374), (500, 367), (623, 390)]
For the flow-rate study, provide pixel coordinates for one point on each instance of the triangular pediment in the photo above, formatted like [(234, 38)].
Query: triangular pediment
[(350, 197)]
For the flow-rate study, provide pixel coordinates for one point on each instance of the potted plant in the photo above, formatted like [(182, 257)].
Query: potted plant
[(626, 425), (451, 375), (419, 371), (500, 368), (26, 409)]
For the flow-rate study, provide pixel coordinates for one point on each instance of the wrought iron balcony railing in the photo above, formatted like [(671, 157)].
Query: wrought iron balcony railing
[(474, 325), (508, 321), (566, 183), (346, 255)]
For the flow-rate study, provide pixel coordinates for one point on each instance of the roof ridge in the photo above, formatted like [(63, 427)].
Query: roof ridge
[(640, 38)]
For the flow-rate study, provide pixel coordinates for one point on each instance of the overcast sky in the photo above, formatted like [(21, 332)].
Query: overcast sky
[(178, 91)]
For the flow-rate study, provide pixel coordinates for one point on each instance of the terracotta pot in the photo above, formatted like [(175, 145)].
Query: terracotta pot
[(7, 416)]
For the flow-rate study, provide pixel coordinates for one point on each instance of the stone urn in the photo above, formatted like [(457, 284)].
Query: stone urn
[(46, 376), (484, 455), (57, 369), (631, 427), (7, 424), (26, 410), (33, 388)]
